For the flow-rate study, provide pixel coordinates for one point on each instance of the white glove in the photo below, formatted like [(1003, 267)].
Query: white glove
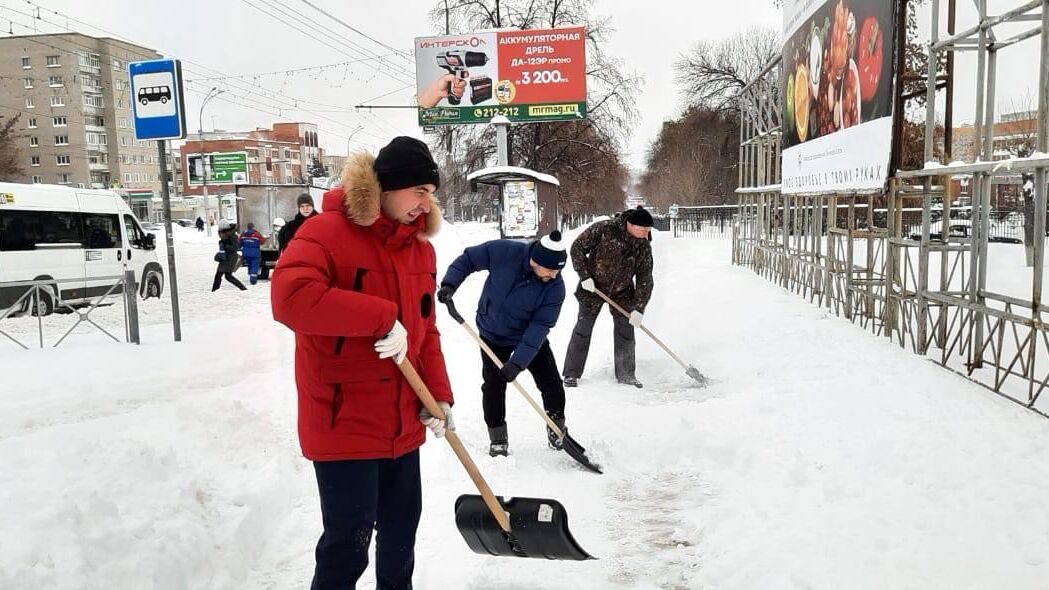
[(588, 285), (394, 344), (436, 425), (636, 317)]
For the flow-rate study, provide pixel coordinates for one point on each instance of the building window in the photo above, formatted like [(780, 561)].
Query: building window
[(25, 63), (32, 123), (95, 120), (123, 141), (90, 61), (64, 179), (61, 140), (29, 102), (28, 82), (54, 81), (93, 101), (34, 161), (34, 142), (56, 101), (96, 138), (62, 160), (52, 61), (37, 180), (92, 83), (127, 178), (60, 121), (118, 65), (122, 123)]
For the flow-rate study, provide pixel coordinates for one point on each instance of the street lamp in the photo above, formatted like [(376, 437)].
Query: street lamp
[(348, 139), (203, 153)]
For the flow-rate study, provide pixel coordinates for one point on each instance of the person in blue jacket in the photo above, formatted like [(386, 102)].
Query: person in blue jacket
[(520, 302), (251, 242)]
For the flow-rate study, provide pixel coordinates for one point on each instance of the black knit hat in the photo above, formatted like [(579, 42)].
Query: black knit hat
[(639, 217), (304, 199), (550, 252), (406, 162)]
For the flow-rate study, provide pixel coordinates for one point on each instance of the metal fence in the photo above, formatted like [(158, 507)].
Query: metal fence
[(41, 297), (906, 263), (703, 222)]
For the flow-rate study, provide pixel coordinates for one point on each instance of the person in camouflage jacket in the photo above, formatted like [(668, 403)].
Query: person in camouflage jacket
[(615, 257)]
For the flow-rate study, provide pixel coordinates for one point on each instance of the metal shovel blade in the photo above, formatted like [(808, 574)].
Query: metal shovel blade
[(577, 452), (700, 378), (539, 529)]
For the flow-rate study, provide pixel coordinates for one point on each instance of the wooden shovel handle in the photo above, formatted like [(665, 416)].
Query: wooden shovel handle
[(430, 403), (520, 388), (620, 309), (452, 311)]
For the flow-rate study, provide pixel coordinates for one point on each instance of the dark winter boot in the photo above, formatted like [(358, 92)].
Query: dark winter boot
[(499, 447), (555, 442), (571, 382), (630, 381)]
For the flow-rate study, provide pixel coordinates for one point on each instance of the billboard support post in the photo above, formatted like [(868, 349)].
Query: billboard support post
[(502, 125)]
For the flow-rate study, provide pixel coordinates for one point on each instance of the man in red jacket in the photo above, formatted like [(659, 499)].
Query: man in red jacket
[(357, 285)]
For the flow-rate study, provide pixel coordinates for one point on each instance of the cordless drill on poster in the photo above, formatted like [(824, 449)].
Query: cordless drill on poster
[(458, 63)]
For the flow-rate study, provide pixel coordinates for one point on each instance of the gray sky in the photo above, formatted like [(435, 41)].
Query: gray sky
[(235, 39)]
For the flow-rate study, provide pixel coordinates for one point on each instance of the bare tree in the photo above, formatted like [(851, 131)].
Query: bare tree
[(585, 155), (712, 73), (10, 156), (694, 160)]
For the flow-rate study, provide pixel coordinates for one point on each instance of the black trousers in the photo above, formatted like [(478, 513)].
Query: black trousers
[(357, 497), (544, 371), (229, 277), (579, 345)]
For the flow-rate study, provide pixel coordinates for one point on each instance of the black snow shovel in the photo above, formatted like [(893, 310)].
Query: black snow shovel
[(520, 527), (569, 444), (689, 369)]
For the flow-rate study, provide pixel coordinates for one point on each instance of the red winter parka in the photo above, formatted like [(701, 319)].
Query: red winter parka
[(340, 284)]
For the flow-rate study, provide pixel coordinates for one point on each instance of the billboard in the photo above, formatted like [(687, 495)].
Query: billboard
[(532, 75), (222, 168), (837, 85)]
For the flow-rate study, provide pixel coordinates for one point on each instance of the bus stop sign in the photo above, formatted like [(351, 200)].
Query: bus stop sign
[(156, 98)]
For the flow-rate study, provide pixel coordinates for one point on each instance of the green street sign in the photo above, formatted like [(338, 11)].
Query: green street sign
[(222, 168)]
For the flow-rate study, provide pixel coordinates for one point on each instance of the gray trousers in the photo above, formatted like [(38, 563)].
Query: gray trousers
[(579, 346)]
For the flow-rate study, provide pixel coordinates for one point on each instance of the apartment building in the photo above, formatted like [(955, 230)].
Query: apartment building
[(71, 94)]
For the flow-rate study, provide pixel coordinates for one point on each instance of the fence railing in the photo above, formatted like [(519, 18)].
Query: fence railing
[(44, 295), (713, 221)]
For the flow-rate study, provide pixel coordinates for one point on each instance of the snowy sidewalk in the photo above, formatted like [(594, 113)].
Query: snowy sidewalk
[(177, 467)]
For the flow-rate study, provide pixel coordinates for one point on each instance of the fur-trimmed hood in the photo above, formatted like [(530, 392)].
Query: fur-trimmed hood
[(361, 193)]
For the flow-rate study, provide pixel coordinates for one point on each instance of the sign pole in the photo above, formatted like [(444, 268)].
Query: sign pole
[(176, 319), (159, 114)]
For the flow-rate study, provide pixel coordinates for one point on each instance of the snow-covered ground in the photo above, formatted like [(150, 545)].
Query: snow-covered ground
[(176, 465)]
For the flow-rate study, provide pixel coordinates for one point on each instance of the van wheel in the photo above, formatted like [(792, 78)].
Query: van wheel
[(41, 304), (153, 288)]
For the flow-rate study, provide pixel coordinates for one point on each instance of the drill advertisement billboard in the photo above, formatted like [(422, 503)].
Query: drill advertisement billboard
[(526, 76)]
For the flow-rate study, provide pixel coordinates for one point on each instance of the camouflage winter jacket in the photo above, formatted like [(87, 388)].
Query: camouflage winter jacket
[(606, 253)]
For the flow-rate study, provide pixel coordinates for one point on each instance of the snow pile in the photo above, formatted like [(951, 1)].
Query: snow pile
[(176, 466)]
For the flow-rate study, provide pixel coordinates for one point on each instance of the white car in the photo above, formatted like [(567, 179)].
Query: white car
[(76, 239)]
